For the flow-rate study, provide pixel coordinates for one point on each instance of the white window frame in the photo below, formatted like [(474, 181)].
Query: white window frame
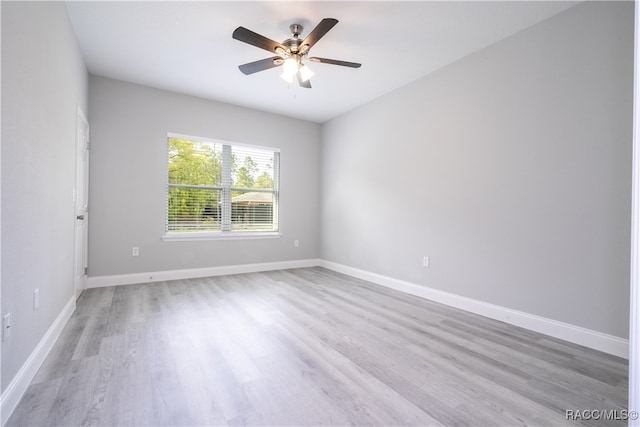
[(226, 233)]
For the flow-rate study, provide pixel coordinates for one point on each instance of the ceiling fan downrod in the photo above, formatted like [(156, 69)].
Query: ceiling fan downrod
[(296, 30)]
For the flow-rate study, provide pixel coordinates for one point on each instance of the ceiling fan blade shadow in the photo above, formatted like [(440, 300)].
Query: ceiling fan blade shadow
[(244, 35), (304, 84), (261, 65), (319, 31), (336, 62)]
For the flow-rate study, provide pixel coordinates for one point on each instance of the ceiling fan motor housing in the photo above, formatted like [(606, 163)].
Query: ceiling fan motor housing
[(293, 43)]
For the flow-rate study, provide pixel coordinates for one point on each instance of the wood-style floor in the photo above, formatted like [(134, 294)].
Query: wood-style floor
[(306, 347)]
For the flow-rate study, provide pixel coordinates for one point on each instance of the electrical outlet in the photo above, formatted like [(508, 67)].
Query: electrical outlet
[(425, 261), (6, 326), (36, 299), (135, 251), (296, 243)]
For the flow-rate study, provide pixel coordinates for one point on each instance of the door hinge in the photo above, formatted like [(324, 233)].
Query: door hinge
[(86, 270)]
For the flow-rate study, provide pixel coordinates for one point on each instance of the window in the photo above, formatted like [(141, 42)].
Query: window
[(220, 187)]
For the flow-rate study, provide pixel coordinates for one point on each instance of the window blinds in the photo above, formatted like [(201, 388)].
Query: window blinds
[(216, 186)]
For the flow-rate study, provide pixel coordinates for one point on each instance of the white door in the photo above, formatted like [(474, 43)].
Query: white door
[(80, 195)]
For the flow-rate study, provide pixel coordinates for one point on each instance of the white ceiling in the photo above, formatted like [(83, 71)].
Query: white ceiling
[(187, 47)]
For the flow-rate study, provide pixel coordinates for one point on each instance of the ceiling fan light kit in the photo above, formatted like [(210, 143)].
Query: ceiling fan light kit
[(290, 52), (305, 73)]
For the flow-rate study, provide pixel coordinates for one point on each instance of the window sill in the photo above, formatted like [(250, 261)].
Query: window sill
[(235, 235)]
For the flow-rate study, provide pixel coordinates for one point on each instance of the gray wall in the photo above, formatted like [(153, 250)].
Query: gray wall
[(127, 187), (43, 82), (510, 168)]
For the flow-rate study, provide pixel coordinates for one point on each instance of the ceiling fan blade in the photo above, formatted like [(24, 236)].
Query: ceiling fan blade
[(306, 84), (244, 35), (336, 62), (320, 30), (261, 65)]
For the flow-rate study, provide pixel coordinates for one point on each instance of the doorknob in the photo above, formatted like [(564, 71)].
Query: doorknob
[(81, 217)]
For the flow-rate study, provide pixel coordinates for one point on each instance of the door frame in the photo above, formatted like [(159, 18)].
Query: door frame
[(81, 172)]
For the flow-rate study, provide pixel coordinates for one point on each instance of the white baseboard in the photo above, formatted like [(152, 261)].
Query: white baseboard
[(192, 273), (565, 331), (16, 389)]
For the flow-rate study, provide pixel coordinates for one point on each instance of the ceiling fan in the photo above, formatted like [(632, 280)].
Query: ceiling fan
[(290, 52)]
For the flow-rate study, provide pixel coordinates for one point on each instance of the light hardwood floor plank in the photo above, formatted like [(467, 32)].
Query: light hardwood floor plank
[(306, 347)]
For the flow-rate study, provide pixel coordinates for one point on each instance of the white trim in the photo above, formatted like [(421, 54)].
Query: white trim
[(634, 285), (228, 235), (16, 389), (218, 141), (565, 331), (192, 273), (82, 116), (81, 123), (1, 313)]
